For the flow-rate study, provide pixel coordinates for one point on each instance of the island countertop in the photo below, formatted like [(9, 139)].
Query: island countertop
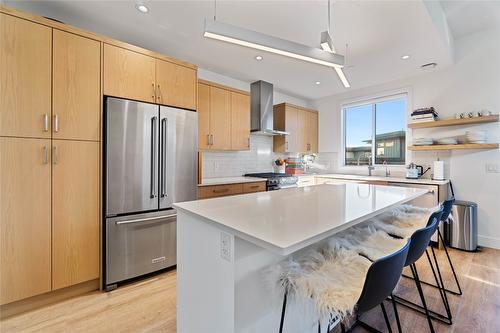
[(288, 220)]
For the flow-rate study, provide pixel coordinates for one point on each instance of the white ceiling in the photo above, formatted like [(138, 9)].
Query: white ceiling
[(378, 33)]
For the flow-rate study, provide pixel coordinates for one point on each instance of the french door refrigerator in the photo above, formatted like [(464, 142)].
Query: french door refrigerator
[(150, 163)]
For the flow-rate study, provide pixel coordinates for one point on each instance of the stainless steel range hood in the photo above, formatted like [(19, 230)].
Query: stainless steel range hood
[(261, 105)]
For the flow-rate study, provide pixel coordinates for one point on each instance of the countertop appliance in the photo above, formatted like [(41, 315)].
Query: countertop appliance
[(461, 231), (276, 181), (150, 163), (414, 171)]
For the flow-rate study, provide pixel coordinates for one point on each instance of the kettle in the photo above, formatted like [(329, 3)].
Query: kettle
[(414, 171)]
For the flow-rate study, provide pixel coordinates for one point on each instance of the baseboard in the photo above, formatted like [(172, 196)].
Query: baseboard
[(487, 241), (24, 305)]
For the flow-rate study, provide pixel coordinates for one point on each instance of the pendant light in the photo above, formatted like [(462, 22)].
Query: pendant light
[(327, 45)]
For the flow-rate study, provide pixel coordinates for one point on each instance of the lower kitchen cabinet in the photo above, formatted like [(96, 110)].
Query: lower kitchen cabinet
[(25, 225), (223, 190), (75, 212)]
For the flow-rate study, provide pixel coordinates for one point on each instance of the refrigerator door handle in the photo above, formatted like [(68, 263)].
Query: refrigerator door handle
[(163, 163), (154, 152)]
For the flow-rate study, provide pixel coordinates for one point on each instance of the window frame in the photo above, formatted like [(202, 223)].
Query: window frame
[(372, 100)]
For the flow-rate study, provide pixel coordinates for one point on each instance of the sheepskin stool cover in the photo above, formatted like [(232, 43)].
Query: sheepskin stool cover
[(333, 281)]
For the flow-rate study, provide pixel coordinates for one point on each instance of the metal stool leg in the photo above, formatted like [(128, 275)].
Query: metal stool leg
[(386, 318), (396, 314), (451, 265), (283, 309), (422, 297)]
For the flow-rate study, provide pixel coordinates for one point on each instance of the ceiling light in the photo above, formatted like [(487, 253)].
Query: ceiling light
[(258, 58), (256, 40), (142, 8), (342, 77), (327, 45), (405, 57), (317, 83)]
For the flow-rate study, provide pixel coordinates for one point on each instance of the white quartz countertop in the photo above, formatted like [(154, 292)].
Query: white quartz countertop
[(230, 180), (290, 219), (381, 178)]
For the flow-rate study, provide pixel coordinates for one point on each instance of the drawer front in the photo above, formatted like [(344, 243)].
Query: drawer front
[(139, 244), (254, 187), (214, 191), (305, 181)]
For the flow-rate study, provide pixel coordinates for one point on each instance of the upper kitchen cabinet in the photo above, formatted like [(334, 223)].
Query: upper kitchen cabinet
[(129, 74), (301, 123), (76, 92), (240, 121), (175, 85), (25, 78), (137, 76), (223, 117)]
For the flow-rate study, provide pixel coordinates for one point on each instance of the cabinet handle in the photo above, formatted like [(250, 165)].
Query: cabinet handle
[(254, 186), (158, 94), (211, 139), (154, 92), (224, 190), (208, 139), (286, 145), (45, 154), (248, 142), (55, 155), (45, 122), (56, 123)]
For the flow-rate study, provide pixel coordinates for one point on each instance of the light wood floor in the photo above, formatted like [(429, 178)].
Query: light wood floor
[(149, 305)]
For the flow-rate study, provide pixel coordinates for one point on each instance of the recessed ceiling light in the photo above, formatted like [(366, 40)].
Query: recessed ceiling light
[(317, 83), (258, 58), (405, 57), (142, 8)]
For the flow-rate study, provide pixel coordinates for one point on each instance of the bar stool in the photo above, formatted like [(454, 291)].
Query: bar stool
[(340, 281)]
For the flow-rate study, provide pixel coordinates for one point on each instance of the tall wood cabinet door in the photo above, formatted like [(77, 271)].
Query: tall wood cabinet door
[(75, 212), (25, 235), (76, 83), (128, 74), (25, 76), (203, 116), (291, 126), (220, 118), (312, 132), (302, 125), (175, 85), (240, 121)]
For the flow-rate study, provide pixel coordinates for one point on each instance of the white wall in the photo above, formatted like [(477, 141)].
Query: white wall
[(260, 157), (472, 83)]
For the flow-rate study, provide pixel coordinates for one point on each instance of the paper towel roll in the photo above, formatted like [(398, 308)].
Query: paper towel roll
[(438, 170)]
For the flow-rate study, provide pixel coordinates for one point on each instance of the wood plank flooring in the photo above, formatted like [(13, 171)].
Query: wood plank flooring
[(149, 305)]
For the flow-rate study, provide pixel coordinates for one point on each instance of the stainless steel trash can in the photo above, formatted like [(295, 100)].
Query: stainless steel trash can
[(461, 231)]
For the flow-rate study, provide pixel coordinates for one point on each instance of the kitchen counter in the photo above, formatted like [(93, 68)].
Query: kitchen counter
[(382, 178), (224, 246), (290, 219), (230, 180)]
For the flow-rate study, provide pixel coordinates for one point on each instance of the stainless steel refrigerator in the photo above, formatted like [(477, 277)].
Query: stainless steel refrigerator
[(150, 163)]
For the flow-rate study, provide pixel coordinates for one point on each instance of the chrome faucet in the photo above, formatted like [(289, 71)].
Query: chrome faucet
[(370, 165), (387, 171)]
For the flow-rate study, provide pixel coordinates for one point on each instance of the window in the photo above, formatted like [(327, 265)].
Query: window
[(375, 131)]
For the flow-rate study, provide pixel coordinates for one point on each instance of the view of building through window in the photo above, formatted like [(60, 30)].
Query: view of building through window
[(383, 122)]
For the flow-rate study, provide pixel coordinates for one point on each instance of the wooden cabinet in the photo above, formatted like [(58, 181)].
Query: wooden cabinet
[(240, 121), (203, 117), (25, 78), (128, 74), (75, 212), (25, 222), (214, 191), (301, 123), (220, 118), (76, 87), (223, 117), (175, 85), (137, 76)]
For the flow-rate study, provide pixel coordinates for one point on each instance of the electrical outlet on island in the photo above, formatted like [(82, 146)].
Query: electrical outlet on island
[(226, 246)]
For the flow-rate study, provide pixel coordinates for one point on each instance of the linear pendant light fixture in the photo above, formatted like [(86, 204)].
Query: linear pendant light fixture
[(256, 40), (327, 45)]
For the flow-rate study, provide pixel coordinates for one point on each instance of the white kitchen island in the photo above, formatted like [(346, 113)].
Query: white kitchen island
[(224, 244)]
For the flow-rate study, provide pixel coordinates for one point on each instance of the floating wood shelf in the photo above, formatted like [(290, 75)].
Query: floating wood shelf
[(459, 146), (455, 122)]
